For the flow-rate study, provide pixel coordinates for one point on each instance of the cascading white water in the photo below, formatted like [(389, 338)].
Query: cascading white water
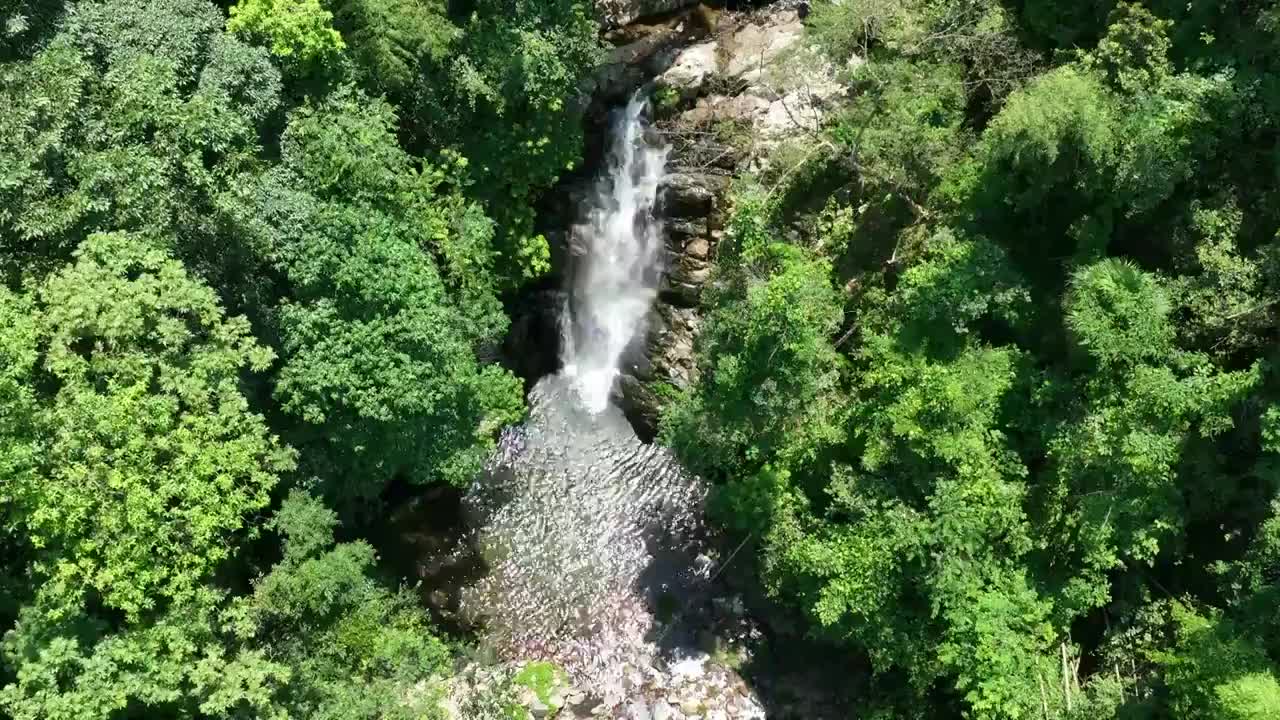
[(582, 527), (615, 275)]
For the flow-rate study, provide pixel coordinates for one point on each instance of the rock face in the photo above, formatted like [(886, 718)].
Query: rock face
[(724, 100), (616, 13)]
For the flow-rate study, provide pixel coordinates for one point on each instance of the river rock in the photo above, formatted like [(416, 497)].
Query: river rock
[(717, 692)]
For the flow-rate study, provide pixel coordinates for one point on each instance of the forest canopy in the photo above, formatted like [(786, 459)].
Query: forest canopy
[(252, 258), (989, 376), (986, 386)]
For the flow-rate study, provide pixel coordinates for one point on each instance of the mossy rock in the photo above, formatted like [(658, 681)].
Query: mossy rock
[(544, 682)]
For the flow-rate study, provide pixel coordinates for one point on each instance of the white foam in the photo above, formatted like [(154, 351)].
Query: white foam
[(615, 282)]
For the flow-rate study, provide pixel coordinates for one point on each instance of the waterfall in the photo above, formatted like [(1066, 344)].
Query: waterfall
[(583, 528), (614, 277)]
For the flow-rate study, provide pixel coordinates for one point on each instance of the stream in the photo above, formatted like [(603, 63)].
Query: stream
[(589, 534)]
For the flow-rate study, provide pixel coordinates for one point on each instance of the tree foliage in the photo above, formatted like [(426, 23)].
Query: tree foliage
[(1038, 480), (516, 72), (147, 459), (296, 30), (137, 116), (379, 341), (210, 239), (318, 637)]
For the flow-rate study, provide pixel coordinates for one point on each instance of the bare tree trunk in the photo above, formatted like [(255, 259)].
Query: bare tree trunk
[(1066, 680)]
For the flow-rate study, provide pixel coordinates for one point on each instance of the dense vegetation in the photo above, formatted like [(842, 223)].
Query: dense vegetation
[(251, 260), (989, 372), (988, 379)]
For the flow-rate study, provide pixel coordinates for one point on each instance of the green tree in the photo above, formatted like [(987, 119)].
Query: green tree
[(898, 141), (1046, 162), (379, 345), (394, 42), (137, 116), (297, 31), (507, 100), (354, 648), (318, 637), (980, 36), (770, 388), (177, 666), (1224, 290), (1116, 497), (147, 460), (1213, 671), (24, 24)]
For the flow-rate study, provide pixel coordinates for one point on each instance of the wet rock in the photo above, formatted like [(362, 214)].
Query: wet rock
[(627, 67), (692, 194), (532, 346), (700, 688)]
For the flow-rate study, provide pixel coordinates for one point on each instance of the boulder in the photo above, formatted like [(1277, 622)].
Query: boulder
[(757, 46), (741, 76), (692, 67), (617, 13)]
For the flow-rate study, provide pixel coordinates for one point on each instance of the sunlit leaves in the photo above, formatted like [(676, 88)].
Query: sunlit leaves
[(1215, 671), (298, 31), (517, 73), (771, 386), (112, 32), (1135, 51), (73, 672), (392, 41), (1060, 129), (317, 637), (140, 116), (359, 650), (151, 459), (1119, 314)]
